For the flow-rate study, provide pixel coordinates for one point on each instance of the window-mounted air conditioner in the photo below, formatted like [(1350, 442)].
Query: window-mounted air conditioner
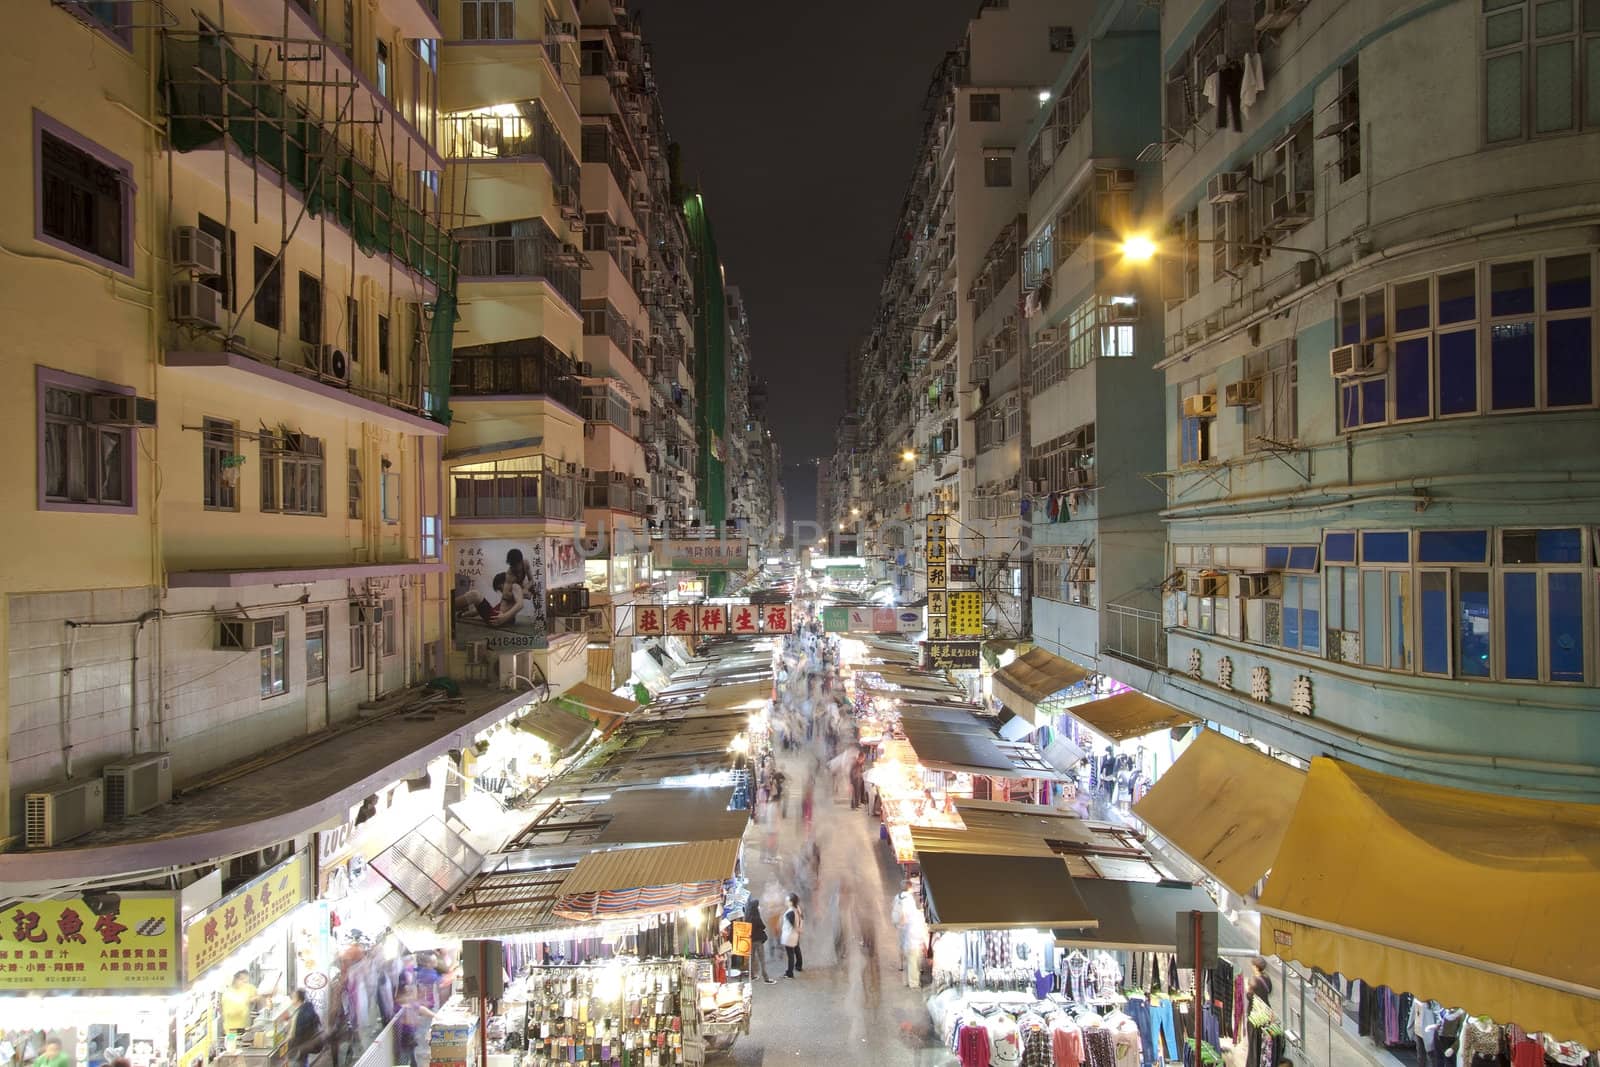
[(330, 362), (1256, 586), (108, 409), (1227, 187), (196, 305), (195, 250), (1357, 361), (1208, 585), (1242, 394), (239, 634), (1200, 406)]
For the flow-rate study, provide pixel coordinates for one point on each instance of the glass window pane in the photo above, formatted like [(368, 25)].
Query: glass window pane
[(1472, 624), (1372, 601), (111, 468), (1310, 615), (1564, 597), (1559, 546), (1374, 397), (1412, 385), (1350, 406), (1458, 297), (1566, 282), (1458, 372), (1569, 362), (1522, 625), (1511, 288), (1591, 15), (1433, 610), (1349, 322), (1553, 89), (1453, 546), (1336, 598), (1411, 306), (1502, 29), (1519, 546), (1352, 599), (1340, 548), (1291, 613), (1373, 305), (1552, 17), (1511, 366), (1503, 97), (1392, 547), (1400, 620), (1303, 558), (1591, 67)]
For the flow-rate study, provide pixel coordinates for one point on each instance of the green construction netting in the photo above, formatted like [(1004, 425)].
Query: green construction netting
[(265, 127), (710, 369)]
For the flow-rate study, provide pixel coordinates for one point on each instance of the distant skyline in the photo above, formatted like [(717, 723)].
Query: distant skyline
[(800, 127)]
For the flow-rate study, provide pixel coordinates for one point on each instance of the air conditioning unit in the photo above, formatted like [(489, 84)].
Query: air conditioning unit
[(329, 362), (1208, 585), (239, 634), (194, 249), (366, 613), (1227, 187), (1078, 478), (1356, 361), (196, 304), (638, 483), (1200, 406), (1242, 394), (1256, 586), (107, 409), (60, 813), (586, 370), (1290, 211), (138, 784), (1122, 311)]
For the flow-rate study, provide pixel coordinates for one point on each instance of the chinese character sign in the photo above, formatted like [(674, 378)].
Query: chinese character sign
[(936, 603), (951, 655), (713, 619), (649, 620), (745, 619), (936, 526), (216, 933), (936, 578), (936, 628), (115, 942), (680, 620), (936, 550), (966, 613), (776, 618)]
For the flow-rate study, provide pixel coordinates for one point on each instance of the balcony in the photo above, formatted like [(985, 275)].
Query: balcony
[(529, 487), (526, 368), (522, 131), (616, 495), (527, 250)]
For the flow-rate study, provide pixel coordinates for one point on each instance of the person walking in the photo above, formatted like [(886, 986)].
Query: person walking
[(758, 940), (909, 921), (410, 1015), (858, 780), (305, 1036), (794, 922)]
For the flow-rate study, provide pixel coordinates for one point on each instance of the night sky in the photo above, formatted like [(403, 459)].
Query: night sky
[(800, 124)]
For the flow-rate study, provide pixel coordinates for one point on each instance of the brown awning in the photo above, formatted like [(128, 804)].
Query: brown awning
[(606, 708), (636, 868), (600, 661), (991, 892), (1143, 917), (563, 729), (1032, 678), (1128, 715)]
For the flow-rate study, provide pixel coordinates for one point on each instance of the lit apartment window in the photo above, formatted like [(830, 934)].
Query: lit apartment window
[(85, 463), (316, 645), (85, 196), (486, 20), (275, 662), (219, 452), (292, 474)]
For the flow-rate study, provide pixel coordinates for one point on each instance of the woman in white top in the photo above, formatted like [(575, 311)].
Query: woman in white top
[(794, 922)]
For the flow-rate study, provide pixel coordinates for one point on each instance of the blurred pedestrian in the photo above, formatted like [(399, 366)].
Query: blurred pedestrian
[(794, 922)]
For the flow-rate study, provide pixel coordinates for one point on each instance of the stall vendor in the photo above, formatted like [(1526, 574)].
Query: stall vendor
[(238, 1004)]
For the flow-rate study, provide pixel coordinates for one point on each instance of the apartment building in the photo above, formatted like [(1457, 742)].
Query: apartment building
[(234, 538), (1380, 378)]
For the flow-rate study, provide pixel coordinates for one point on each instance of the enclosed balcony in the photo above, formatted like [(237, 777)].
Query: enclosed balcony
[(520, 166), (515, 369), (525, 487), (527, 250)]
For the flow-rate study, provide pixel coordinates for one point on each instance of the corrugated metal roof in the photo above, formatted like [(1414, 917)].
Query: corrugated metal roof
[(634, 868), (504, 903), (594, 699), (599, 674), (656, 815), (560, 727)]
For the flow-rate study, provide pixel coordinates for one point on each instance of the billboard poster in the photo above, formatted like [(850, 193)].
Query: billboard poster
[(966, 613), (701, 554), (105, 942), (563, 563), (951, 655), (907, 621), (499, 593)]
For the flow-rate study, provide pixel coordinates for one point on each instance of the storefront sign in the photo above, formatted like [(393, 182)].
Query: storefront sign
[(936, 601), (691, 587), (713, 619), (113, 942), (963, 572), (937, 576), (966, 613), (775, 618), (697, 554), (741, 939), (937, 631), (499, 593), (835, 619), (746, 620), (881, 620), (649, 620), (219, 931), (951, 655)]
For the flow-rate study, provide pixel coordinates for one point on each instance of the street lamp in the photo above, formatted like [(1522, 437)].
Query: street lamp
[(908, 455), (1142, 248), (1139, 248)]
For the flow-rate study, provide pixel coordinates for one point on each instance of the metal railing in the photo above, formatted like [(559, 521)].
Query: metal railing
[(528, 367), (1135, 634), (531, 135), (538, 254)]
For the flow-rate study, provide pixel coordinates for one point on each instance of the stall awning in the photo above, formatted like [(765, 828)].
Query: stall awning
[(732, 696), (986, 892), (1033, 678), (1226, 806), (632, 868), (1128, 715), (563, 729), (662, 814), (1471, 899), (1143, 917), (607, 708), (428, 863), (503, 904), (1092, 850), (973, 748)]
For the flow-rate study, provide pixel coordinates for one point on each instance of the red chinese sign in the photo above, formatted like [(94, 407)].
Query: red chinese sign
[(746, 620), (680, 619), (713, 619), (649, 620), (776, 618)]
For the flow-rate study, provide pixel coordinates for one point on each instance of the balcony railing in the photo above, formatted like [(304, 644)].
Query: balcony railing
[(618, 496), (529, 135), (599, 146), (1136, 634), (605, 320), (526, 249), (529, 367), (508, 495)]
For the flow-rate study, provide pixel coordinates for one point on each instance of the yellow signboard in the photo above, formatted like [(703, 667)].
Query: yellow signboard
[(742, 932), (225, 927), (936, 628), (966, 613), (122, 943), (936, 526), (936, 577), (936, 602), (936, 550)]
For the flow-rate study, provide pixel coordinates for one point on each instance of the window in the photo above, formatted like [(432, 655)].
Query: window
[(353, 478), (997, 171), (275, 662), (383, 344), (112, 16), (1302, 613), (1363, 321), (358, 638), (431, 537), (1186, 104), (391, 629), (1344, 613), (1272, 421), (528, 486), (1346, 124), (349, 26), (984, 107), (1541, 68), (269, 289), (1181, 273), (1284, 197), (352, 312), (316, 645), (1075, 223), (383, 69), (291, 474), (1195, 443), (220, 470), (310, 309), (84, 463), (391, 498), (1062, 39), (1541, 603), (84, 197), (222, 284)]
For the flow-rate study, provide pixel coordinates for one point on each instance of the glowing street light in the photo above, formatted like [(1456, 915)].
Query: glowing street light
[(908, 455), (1139, 248)]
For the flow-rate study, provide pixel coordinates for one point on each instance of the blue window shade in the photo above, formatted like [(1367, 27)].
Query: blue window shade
[(1511, 366), (1311, 614), (1458, 372), (1385, 547), (1522, 625), (1566, 283), (1565, 604), (1277, 557), (1339, 548), (1472, 633), (1190, 448), (1435, 621), (1453, 546), (1511, 288), (1561, 546), (1303, 558), (1413, 387), (1374, 397), (1569, 361)]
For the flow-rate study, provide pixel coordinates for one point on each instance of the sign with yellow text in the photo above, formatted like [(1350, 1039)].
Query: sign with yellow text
[(966, 613), (936, 550), (936, 578), (111, 942), (225, 927), (741, 939), (936, 526)]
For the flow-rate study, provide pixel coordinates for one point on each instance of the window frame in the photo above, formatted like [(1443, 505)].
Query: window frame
[(268, 279), (391, 632), (479, 7), (43, 124), (987, 101), (275, 661), (1578, 38), (316, 625), (358, 639), (46, 378), (212, 466), (992, 167), (120, 29), (354, 486), (280, 469)]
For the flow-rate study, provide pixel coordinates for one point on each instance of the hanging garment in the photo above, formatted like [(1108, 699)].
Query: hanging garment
[(972, 1046), (1066, 1041), (1230, 81), (1129, 1051), (1100, 1050), (1138, 1009), (1254, 84), (1164, 1029), (1005, 1041)]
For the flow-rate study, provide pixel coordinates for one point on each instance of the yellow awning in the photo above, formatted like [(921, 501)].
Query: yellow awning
[(1128, 715), (1226, 806), (638, 868), (1033, 678), (1476, 900)]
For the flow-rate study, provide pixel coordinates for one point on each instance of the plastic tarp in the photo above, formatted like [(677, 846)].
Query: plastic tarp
[(1471, 899), (1226, 806), (968, 891), (1032, 678), (1128, 715)]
